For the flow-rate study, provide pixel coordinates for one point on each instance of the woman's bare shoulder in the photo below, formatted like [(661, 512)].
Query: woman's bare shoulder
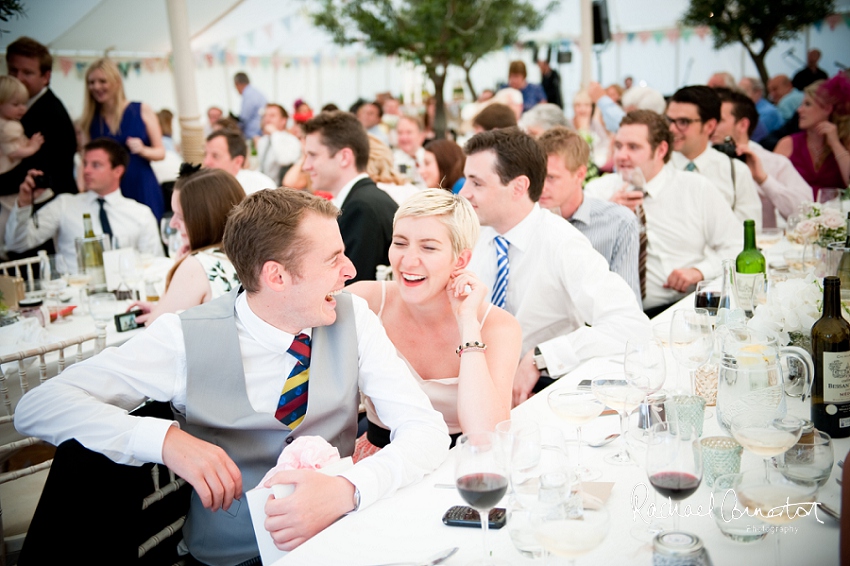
[(368, 290)]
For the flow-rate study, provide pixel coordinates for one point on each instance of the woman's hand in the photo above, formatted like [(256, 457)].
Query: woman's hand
[(830, 133), (466, 295), (143, 306)]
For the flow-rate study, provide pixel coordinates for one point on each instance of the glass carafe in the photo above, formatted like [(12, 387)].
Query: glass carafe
[(751, 375)]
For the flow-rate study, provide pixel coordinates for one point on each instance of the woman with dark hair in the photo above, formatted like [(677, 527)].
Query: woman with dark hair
[(201, 202), (442, 165), (821, 150)]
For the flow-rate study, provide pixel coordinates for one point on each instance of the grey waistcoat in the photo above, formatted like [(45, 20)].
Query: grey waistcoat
[(218, 411)]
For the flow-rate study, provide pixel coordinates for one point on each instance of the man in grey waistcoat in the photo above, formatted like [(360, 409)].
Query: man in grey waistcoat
[(284, 356)]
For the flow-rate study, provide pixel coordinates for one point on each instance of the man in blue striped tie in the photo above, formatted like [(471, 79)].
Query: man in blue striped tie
[(540, 268), (284, 356)]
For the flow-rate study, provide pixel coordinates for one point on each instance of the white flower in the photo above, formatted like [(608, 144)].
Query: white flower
[(792, 306)]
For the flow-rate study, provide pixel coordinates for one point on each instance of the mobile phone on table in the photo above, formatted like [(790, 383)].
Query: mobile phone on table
[(584, 385), (463, 516)]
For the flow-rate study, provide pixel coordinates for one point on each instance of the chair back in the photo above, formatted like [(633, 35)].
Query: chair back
[(19, 267)]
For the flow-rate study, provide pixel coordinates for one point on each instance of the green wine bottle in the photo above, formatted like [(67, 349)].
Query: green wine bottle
[(750, 260), (831, 348), (93, 256), (843, 271)]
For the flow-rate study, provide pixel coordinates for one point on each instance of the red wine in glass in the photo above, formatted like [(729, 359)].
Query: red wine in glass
[(675, 485), (482, 491), (708, 300)]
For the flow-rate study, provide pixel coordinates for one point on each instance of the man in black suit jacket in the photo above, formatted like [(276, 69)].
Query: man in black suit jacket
[(336, 154), (30, 62)]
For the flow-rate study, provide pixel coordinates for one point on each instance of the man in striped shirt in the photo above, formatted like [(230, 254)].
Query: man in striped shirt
[(613, 230)]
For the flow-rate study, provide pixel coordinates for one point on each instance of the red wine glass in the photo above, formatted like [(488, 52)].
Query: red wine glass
[(481, 476), (674, 463)]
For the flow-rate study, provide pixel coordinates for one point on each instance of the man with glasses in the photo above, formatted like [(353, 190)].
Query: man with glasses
[(693, 114)]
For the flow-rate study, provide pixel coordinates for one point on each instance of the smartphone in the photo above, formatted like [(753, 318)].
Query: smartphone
[(584, 385), (463, 516), (127, 321)]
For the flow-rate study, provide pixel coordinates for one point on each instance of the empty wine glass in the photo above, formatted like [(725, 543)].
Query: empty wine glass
[(616, 392), (691, 340), (645, 365), (128, 267), (481, 476), (674, 462), (577, 408), (765, 434), (568, 531), (166, 230)]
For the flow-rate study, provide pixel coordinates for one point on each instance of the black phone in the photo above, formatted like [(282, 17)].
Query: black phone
[(463, 516), (127, 321), (583, 385)]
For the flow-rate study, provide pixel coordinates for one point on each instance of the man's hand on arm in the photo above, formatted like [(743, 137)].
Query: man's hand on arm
[(215, 477), (318, 501), (525, 379), (683, 279), (754, 163)]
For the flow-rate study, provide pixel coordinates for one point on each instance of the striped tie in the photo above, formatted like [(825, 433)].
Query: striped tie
[(500, 289), (293, 400), (691, 166), (641, 214)]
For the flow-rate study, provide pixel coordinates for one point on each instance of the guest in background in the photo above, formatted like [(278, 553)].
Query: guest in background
[(380, 169), (168, 169), (811, 72), (369, 114), (253, 103), (615, 93), (723, 80), (644, 98), (543, 118), (531, 93), (14, 144), (214, 114), (627, 83), (278, 149), (494, 116), (302, 113), (783, 94), (820, 151), (432, 294), (410, 137), (227, 150), (594, 132), (611, 112), (166, 119), (550, 80), (201, 202), (442, 165), (769, 116), (107, 113), (780, 187)]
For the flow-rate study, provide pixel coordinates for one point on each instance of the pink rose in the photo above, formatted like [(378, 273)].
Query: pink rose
[(832, 221), (807, 229), (305, 453)]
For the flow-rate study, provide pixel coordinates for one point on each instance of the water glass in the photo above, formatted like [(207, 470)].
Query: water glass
[(721, 455), (685, 411), (726, 510), (810, 459)]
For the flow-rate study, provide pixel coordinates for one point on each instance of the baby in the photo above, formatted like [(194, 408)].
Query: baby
[(14, 145)]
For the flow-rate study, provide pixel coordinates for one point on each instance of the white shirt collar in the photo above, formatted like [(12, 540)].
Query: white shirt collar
[(35, 98), (343, 193), (274, 339), (521, 236), (654, 187)]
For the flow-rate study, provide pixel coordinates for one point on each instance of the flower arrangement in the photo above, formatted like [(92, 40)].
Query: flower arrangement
[(817, 225), (792, 307)]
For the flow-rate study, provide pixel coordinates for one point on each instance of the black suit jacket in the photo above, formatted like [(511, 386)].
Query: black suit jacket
[(366, 224), (56, 156)]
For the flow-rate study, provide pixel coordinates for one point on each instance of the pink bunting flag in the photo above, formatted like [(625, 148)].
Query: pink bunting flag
[(673, 35), (65, 64), (833, 20), (644, 36), (619, 37)]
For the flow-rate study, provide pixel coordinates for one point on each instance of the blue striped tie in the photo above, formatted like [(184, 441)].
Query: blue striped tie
[(500, 289)]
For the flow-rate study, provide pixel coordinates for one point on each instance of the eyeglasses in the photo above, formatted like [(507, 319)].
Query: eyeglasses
[(681, 123)]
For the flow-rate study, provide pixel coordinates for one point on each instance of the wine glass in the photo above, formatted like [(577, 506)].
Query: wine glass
[(481, 477), (128, 267), (577, 408), (707, 297), (53, 271), (831, 197), (645, 365), (691, 340), (570, 531), (765, 434), (775, 499), (616, 392), (674, 462), (810, 459), (166, 230)]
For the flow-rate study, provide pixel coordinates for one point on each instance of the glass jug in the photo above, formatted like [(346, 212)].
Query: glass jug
[(751, 376)]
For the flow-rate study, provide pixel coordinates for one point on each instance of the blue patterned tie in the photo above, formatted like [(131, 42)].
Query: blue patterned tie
[(500, 289), (293, 399), (691, 166)]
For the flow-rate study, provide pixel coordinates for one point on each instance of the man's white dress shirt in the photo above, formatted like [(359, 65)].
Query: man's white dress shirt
[(276, 151), (89, 400), (557, 286), (132, 223), (685, 217), (253, 181), (784, 189), (742, 196), (407, 165)]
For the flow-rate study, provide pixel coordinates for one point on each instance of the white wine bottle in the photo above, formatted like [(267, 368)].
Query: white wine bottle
[(93, 256), (831, 347)]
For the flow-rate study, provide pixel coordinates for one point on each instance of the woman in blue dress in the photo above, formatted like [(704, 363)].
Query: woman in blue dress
[(108, 114)]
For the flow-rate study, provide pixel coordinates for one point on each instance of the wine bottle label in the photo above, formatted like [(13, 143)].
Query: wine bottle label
[(836, 377)]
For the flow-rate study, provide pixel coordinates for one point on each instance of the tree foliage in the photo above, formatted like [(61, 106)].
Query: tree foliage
[(9, 8), (432, 33), (754, 22)]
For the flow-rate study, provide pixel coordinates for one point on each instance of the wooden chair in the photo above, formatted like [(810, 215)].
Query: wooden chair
[(23, 268)]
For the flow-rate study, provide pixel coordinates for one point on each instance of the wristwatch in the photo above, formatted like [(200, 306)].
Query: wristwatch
[(539, 360)]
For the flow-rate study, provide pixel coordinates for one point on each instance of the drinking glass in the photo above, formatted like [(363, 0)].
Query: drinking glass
[(707, 297), (128, 267), (615, 391), (831, 197), (53, 272), (645, 365), (568, 531), (775, 499), (750, 290), (166, 230), (810, 459), (577, 408), (481, 477), (691, 340), (674, 463), (766, 434)]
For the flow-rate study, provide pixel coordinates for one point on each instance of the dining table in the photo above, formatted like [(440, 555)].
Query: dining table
[(407, 526)]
